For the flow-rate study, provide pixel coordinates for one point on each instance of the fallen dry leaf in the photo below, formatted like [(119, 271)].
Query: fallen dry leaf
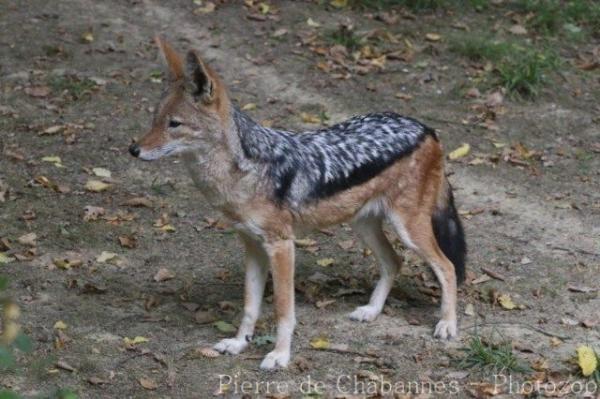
[(96, 381), (325, 262), (67, 263), (5, 258), (319, 343), (60, 325), (128, 241), (102, 172), (91, 213), (518, 30), (53, 159), (507, 303), (587, 360), (28, 239), (138, 339), (208, 352), (346, 245), (310, 118), (163, 274), (460, 152), (305, 242), (433, 37), (96, 186), (106, 257), (37, 91), (312, 23), (148, 383)]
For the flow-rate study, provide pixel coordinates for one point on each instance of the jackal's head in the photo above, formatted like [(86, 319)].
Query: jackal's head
[(193, 112)]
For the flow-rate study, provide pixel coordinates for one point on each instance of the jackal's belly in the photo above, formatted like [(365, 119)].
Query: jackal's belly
[(368, 199)]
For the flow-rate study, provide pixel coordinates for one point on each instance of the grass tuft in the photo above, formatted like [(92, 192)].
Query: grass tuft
[(496, 358), (522, 70), (478, 48), (552, 17), (345, 37), (418, 5), (75, 86)]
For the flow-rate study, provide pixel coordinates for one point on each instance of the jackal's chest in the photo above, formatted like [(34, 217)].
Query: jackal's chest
[(221, 190)]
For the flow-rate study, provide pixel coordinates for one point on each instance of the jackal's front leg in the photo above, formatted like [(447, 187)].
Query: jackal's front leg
[(281, 258), (256, 276)]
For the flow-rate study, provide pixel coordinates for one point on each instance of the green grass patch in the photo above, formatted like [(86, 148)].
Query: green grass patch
[(76, 87), (418, 5), (552, 17), (489, 357), (478, 48), (524, 71), (521, 69), (345, 37)]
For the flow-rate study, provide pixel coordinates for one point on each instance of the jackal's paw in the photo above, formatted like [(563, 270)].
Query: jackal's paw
[(232, 346), (275, 360), (364, 313), (446, 329)]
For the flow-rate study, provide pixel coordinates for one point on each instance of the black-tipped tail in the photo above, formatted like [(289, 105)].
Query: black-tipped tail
[(450, 235)]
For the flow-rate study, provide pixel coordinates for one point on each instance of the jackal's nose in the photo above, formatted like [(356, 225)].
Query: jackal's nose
[(134, 150)]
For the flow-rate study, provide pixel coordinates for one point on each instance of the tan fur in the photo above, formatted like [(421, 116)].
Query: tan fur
[(410, 190), (172, 59)]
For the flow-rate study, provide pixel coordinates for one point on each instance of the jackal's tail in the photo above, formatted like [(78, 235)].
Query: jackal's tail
[(449, 231)]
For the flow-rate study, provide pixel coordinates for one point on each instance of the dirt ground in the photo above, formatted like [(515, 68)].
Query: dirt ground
[(79, 80)]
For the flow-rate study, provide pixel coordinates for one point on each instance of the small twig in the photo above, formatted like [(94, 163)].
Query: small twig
[(537, 329), (493, 274), (574, 250)]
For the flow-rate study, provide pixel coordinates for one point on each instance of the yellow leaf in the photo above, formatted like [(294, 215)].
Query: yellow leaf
[(587, 360), (339, 3), (10, 333), (168, 228), (207, 9), (264, 8), (249, 107), (87, 37), (60, 325), (106, 256), (326, 262), (5, 258), (54, 160), (66, 263), (460, 152), (309, 118), (312, 23), (305, 242), (102, 172), (433, 37), (506, 302), (12, 311), (319, 343), (96, 186), (137, 340)]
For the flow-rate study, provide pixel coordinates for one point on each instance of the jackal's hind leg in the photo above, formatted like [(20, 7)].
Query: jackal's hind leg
[(371, 233)]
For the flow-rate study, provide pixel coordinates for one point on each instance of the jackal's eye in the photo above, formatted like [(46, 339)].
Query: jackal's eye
[(173, 123)]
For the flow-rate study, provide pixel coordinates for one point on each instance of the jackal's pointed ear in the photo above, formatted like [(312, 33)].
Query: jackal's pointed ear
[(171, 58), (202, 78)]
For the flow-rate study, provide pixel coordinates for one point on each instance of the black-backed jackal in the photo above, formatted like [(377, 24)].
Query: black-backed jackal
[(271, 183)]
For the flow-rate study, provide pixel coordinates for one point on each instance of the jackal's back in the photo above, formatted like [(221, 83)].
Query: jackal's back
[(316, 164)]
